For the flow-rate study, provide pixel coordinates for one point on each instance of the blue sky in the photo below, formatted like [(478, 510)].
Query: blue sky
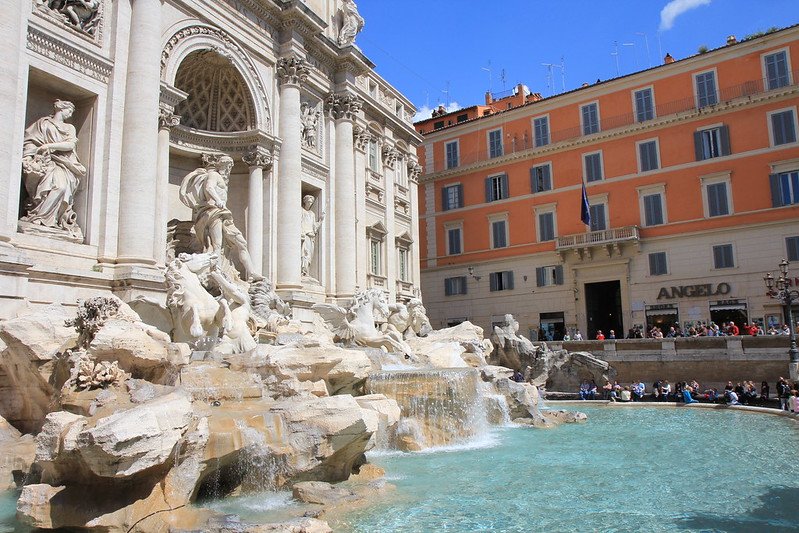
[(428, 47)]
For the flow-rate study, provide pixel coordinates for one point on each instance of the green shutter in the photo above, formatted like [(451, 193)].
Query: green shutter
[(724, 134), (776, 193)]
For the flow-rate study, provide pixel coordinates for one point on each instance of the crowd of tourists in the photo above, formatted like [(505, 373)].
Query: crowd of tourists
[(712, 329), (786, 393)]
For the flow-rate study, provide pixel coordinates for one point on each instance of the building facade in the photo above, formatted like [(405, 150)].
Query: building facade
[(154, 86), (691, 171)]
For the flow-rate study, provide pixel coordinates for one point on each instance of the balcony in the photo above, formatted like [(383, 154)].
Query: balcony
[(609, 241)]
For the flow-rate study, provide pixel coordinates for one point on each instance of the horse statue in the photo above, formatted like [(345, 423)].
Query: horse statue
[(357, 323), (195, 312)]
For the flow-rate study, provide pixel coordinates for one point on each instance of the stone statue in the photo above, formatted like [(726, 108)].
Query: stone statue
[(83, 14), (352, 23), (310, 120), (409, 320), (52, 170), (205, 191), (309, 227), (268, 309), (357, 323)]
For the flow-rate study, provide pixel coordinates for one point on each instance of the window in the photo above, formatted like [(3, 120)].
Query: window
[(403, 264), (644, 105), (549, 275), (454, 240), (462, 118), (499, 233), (495, 143), (657, 264), (784, 188), (648, 155), (452, 197), (453, 286), (546, 226), (375, 252), (598, 221), (590, 117), (501, 281), (438, 124), (374, 158), (712, 142), (706, 89), (783, 128), (722, 256), (792, 247), (776, 66), (541, 178), (592, 166), (496, 187), (541, 131), (452, 154), (653, 209), (718, 203)]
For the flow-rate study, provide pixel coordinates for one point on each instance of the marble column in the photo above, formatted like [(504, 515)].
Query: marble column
[(344, 108), (257, 160), (139, 160), (414, 171), (166, 121), (292, 71)]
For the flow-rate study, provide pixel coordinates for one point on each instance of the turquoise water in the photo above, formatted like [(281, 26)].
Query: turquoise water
[(626, 469), (8, 512)]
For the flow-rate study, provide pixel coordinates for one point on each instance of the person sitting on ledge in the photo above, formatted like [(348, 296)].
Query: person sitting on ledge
[(731, 397), (686, 395), (625, 395), (584, 390)]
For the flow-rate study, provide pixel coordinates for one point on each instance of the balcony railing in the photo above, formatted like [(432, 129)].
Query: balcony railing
[(598, 238), (523, 142)]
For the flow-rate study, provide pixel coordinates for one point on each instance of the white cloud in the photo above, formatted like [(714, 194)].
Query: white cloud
[(675, 8), (425, 112)]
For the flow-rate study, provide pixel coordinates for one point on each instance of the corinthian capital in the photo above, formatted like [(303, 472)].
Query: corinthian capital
[(257, 157), (390, 156), (414, 170), (362, 137), (167, 119), (344, 106), (293, 70)]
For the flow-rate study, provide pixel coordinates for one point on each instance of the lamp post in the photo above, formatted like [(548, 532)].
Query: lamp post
[(780, 290)]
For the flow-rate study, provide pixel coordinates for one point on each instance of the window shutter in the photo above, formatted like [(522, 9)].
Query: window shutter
[(776, 193), (463, 284), (448, 287), (724, 133), (559, 275), (533, 180), (509, 277), (488, 190), (460, 195), (700, 154), (505, 187), (495, 234), (444, 205), (493, 281), (539, 277)]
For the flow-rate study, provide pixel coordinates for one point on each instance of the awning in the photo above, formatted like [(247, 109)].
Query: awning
[(666, 311), (727, 307)]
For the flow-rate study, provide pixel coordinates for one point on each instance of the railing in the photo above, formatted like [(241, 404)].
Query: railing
[(516, 143), (595, 238)]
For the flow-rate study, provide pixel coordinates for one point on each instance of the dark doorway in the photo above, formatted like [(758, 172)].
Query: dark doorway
[(603, 308)]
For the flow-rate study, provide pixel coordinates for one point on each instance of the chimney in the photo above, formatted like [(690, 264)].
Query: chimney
[(731, 40), (668, 59), (489, 98)]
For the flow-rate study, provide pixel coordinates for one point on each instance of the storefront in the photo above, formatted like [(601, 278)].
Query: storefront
[(662, 315), (734, 310)]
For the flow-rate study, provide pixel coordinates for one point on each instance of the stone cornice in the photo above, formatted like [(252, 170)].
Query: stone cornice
[(171, 96), (192, 141), (45, 44)]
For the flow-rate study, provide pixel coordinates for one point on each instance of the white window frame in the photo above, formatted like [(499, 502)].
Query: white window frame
[(654, 104), (712, 179), (771, 126), (501, 143), (598, 118), (458, 225), (549, 130), (734, 256), (764, 72), (601, 166), (542, 210), (446, 159), (657, 150), (715, 85), (498, 217), (657, 188)]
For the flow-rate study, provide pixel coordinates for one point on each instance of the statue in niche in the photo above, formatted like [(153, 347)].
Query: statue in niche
[(52, 170), (205, 191), (309, 228), (310, 120), (82, 14), (352, 23)]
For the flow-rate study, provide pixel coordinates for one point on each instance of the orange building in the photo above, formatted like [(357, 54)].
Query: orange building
[(691, 171)]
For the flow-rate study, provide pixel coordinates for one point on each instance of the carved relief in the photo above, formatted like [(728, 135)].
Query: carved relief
[(167, 119), (352, 23), (82, 15), (56, 50), (293, 70), (257, 157), (362, 136), (344, 106), (309, 116), (414, 171), (390, 156)]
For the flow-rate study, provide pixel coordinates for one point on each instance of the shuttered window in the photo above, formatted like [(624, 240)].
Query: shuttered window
[(722, 256), (706, 89), (541, 131), (712, 142), (452, 154), (657, 264), (776, 70), (495, 143), (590, 113), (783, 128), (546, 227), (792, 247), (499, 234), (644, 105), (541, 178), (784, 188), (496, 188), (598, 221), (549, 275), (453, 286), (717, 202), (452, 197), (648, 155), (454, 241), (653, 209), (593, 166), (501, 281)]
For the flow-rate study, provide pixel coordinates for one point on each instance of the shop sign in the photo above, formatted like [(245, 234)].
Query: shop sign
[(694, 291)]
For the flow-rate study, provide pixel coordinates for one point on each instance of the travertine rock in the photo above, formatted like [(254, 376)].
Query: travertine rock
[(17, 453), (458, 346), (564, 371), (322, 493), (382, 415), (208, 382)]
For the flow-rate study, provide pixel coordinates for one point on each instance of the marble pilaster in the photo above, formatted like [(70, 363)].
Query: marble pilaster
[(166, 121), (344, 108), (139, 168), (257, 160), (292, 71)]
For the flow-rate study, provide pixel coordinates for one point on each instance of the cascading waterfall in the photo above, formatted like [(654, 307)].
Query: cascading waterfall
[(439, 406)]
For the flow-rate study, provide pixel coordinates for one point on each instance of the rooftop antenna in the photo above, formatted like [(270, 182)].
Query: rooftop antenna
[(549, 77), (615, 54), (502, 77), (660, 49), (646, 43), (635, 53), (563, 73), (488, 69), (446, 91)]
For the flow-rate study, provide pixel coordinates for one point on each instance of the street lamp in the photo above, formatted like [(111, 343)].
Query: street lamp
[(780, 290)]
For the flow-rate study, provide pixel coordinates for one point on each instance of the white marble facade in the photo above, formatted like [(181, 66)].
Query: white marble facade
[(159, 83)]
